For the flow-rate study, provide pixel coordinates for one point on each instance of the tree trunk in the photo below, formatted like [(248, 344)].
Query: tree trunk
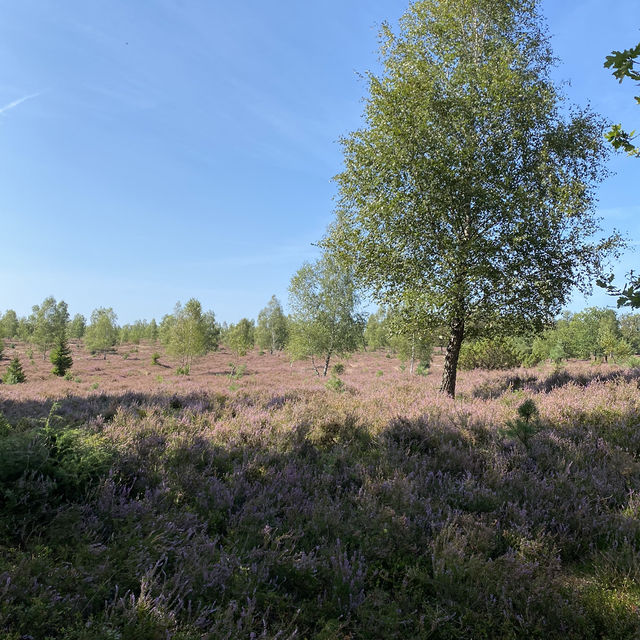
[(326, 363), (451, 358)]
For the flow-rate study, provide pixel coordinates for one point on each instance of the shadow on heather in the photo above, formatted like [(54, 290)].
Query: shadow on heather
[(206, 516), (555, 380)]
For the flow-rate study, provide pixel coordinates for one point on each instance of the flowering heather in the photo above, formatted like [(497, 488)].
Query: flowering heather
[(139, 504)]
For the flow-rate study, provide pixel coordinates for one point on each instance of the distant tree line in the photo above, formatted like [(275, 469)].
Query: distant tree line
[(326, 321)]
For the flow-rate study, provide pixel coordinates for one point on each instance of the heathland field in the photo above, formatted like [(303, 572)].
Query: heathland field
[(138, 504)]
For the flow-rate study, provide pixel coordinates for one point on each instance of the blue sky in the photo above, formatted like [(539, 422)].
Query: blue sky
[(157, 151)]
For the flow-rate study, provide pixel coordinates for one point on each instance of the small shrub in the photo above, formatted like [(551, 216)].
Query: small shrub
[(125, 355), (68, 376), (155, 358), (338, 369), (95, 385), (526, 425), (379, 373), (183, 371), (237, 372), (633, 362), (423, 369), (14, 373), (335, 384)]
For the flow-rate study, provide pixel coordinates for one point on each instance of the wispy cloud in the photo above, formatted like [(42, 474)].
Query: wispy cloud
[(15, 103)]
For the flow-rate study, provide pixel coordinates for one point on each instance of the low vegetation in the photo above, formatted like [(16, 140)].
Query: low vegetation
[(271, 506)]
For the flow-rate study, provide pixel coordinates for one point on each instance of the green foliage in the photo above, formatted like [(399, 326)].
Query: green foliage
[(325, 319), (526, 425), (468, 195), (623, 63), (237, 371), (630, 330), (633, 362), (49, 322), (61, 357), (240, 337), (102, 334), (152, 331), (593, 332), (489, 353), (629, 295), (557, 353), (335, 384), (134, 333), (187, 339), (165, 329), (272, 330), (49, 464), (25, 329), (423, 368), (338, 369), (155, 358), (377, 331), (14, 373), (77, 327), (9, 324)]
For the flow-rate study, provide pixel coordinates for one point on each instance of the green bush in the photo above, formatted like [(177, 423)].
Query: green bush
[(338, 369), (155, 358), (61, 358), (490, 353), (633, 362), (237, 371), (423, 369), (526, 425), (14, 373), (334, 384)]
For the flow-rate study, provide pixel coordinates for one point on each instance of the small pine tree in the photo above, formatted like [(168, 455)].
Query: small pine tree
[(61, 357), (14, 373), (526, 425)]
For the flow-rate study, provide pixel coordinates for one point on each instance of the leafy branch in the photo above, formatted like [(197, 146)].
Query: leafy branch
[(623, 65)]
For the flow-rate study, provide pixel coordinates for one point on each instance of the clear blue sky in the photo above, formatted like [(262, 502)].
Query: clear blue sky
[(155, 151)]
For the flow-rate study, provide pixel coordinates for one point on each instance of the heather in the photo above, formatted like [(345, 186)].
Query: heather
[(138, 504)]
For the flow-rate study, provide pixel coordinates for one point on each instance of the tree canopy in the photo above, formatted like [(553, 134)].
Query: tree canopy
[(49, 323), (325, 316), (102, 334), (468, 194), (271, 331)]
